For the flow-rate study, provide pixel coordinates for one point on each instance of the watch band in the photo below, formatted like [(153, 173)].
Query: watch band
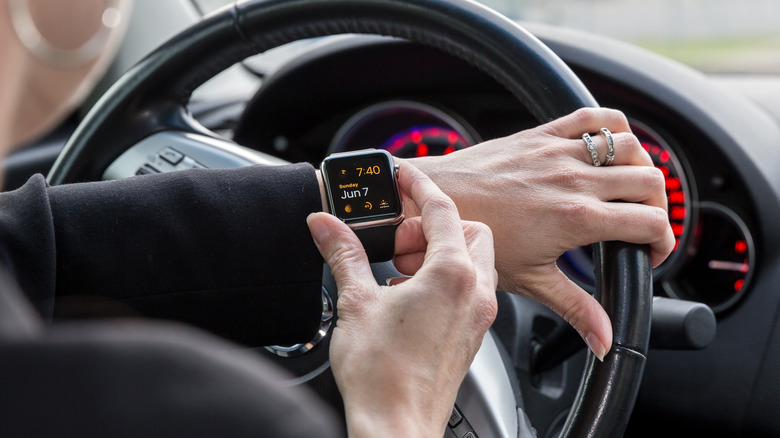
[(379, 242)]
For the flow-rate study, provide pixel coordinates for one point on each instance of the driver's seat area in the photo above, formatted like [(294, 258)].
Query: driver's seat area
[(130, 379)]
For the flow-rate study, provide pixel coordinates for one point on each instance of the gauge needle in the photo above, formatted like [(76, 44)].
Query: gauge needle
[(729, 266)]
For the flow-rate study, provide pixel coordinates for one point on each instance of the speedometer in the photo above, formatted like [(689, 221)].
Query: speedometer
[(578, 263), (405, 129), (423, 141)]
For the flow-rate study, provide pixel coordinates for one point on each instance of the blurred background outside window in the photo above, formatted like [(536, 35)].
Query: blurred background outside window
[(714, 36)]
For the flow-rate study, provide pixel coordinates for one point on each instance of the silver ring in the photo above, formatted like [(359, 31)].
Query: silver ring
[(610, 146), (592, 149)]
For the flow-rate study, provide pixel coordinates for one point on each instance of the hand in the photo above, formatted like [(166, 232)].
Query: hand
[(399, 353), (541, 195)]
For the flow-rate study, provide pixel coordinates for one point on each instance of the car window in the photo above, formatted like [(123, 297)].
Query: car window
[(714, 36)]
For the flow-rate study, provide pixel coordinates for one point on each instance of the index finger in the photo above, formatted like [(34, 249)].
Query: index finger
[(441, 223)]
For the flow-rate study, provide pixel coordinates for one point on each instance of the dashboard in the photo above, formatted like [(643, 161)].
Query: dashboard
[(715, 253), (722, 190)]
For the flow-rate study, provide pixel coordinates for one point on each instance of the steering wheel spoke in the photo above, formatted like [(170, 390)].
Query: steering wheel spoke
[(169, 151), (486, 398)]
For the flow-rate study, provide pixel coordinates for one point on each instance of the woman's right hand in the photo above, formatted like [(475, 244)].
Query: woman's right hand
[(400, 352)]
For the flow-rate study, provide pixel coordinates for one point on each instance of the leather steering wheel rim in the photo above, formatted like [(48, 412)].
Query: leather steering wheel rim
[(152, 97)]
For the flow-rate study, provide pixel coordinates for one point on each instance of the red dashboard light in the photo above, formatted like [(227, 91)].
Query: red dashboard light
[(677, 197), (424, 141), (676, 187), (740, 247), (673, 184)]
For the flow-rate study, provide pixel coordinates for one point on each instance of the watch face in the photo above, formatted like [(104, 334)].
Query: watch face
[(362, 186)]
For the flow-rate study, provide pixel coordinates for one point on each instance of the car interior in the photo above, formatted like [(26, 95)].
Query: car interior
[(304, 91)]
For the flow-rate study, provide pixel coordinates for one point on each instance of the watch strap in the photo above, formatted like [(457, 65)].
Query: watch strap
[(378, 241)]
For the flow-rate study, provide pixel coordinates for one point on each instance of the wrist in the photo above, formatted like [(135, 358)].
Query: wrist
[(440, 170), (430, 167), (390, 421)]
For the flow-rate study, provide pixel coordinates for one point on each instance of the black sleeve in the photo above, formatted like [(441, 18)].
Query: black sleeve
[(225, 250)]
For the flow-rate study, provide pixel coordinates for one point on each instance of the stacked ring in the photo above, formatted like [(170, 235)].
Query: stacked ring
[(610, 146), (592, 149)]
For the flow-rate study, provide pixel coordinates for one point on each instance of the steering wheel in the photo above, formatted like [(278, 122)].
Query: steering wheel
[(146, 108)]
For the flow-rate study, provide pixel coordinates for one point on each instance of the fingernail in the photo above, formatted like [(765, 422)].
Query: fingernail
[(319, 230), (395, 281), (595, 345)]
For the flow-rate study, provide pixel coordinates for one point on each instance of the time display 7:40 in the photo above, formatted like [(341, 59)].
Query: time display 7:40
[(370, 170)]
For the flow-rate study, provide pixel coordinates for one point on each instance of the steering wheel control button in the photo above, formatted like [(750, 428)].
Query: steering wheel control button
[(455, 417), (189, 163), (171, 155), (459, 426), (146, 170)]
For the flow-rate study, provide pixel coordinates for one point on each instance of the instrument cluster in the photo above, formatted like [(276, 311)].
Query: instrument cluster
[(714, 255)]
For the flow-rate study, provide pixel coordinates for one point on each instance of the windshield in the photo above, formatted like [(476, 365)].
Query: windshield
[(714, 36)]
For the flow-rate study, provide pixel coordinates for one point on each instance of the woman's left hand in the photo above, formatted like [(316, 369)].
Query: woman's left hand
[(541, 195)]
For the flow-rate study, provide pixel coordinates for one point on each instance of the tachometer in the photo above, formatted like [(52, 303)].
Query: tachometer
[(677, 190)]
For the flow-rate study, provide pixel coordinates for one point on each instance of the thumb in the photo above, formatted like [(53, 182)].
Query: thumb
[(341, 250), (579, 309)]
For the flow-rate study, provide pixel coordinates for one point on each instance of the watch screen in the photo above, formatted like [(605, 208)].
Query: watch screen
[(362, 187)]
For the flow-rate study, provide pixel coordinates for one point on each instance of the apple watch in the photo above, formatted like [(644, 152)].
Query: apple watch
[(362, 191)]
